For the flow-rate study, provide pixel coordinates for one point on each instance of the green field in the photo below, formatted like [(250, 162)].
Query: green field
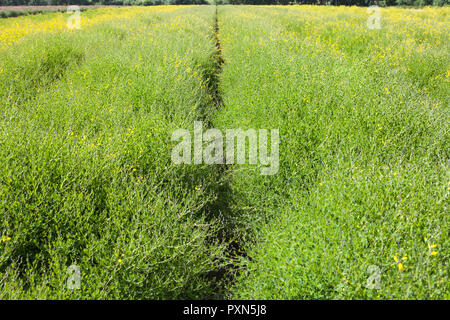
[(357, 210)]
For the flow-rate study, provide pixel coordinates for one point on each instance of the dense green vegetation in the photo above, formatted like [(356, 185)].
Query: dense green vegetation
[(364, 151), (86, 176), (98, 2), (340, 2)]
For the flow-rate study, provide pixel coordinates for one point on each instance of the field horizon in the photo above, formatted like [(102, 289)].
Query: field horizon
[(225, 152)]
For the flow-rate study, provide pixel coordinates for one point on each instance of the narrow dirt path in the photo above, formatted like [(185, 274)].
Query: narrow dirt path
[(221, 207)]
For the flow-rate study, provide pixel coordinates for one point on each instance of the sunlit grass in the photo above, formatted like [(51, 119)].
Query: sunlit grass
[(363, 118)]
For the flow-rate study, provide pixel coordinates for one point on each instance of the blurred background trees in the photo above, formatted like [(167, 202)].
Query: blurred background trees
[(256, 2)]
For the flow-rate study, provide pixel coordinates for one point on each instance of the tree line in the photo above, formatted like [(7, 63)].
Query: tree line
[(253, 2), (342, 2)]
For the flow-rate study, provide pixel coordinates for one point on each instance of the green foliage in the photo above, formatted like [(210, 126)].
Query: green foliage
[(97, 2), (363, 176), (87, 179), (418, 3), (86, 176)]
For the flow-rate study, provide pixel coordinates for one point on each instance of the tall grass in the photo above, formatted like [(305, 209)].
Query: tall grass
[(86, 176), (364, 151)]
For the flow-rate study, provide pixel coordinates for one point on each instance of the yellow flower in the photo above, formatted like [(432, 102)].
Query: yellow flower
[(433, 253), (4, 239), (405, 257), (395, 258), (400, 266), (120, 260)]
